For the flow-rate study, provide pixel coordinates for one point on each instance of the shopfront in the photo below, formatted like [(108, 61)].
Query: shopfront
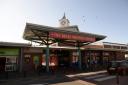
[(32, 58), (92, 60), (98, 58), (9, 59)]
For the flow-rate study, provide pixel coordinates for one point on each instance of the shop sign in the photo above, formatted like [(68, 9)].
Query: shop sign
[(33, 50), (9, 51), (71, 37)]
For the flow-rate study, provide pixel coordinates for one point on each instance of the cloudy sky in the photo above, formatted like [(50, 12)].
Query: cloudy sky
[(106, 17)]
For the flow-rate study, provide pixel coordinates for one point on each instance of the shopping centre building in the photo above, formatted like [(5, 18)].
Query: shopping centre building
[(59, 47)]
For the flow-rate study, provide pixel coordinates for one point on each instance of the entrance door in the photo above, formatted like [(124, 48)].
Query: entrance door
[(2, 64), (64, 58)]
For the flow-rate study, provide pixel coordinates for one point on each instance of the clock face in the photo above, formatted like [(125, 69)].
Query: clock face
[(63, 22)]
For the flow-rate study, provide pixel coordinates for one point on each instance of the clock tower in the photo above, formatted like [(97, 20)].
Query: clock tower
[(64, 22)]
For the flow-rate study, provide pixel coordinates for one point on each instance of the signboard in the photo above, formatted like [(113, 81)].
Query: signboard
[(71, 37), (32, 50), (9, 51)]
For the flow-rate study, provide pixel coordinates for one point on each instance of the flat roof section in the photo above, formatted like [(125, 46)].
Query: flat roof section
[(14, 44)]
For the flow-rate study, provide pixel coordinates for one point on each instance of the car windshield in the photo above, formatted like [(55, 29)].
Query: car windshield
[(125, 64), (115, 64)]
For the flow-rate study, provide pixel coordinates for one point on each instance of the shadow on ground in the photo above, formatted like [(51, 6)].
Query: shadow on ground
[(33, 78)]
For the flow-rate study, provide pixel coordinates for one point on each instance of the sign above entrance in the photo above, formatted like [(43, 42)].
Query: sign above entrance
[(9, 51), (71, 37)]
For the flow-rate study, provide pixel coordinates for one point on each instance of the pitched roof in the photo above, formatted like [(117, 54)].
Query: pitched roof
[(28, 34)]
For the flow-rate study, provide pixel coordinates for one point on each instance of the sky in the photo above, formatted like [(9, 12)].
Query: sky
[(105, 17)]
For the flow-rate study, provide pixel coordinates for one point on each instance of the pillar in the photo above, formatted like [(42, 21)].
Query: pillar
[(47, 53), (47, 58), (79, 57)]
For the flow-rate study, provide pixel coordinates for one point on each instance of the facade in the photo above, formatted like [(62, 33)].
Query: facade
[(11, 56), (27, 58), (104, 52), (65, 34), (59, 48)]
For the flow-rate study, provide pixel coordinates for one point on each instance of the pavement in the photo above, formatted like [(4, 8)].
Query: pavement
[(90, 78), (101, 78)]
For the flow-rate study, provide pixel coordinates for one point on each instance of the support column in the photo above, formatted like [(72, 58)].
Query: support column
[(47, 58), (90, 60), (47, 53), (79, 56)]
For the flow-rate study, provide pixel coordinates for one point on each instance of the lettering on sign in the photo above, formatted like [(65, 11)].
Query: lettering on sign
[(71, 37)]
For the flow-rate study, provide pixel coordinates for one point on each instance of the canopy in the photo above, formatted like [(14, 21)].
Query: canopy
[(42, 34)]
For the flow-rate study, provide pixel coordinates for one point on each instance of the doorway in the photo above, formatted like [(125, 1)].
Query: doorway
[(2, 64), (36, 61), (63, 58)]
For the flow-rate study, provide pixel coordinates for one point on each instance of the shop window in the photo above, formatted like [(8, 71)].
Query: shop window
[(126, 56), (9, 67), (11, 63), (43, 60), (36, 60), (11, 60), (27, 58), (53, 61), (74, 59)]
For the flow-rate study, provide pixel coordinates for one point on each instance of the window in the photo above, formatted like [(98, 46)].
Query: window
[(11, 63)]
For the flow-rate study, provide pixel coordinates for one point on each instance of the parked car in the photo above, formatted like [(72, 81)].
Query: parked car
[(120, 67)]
